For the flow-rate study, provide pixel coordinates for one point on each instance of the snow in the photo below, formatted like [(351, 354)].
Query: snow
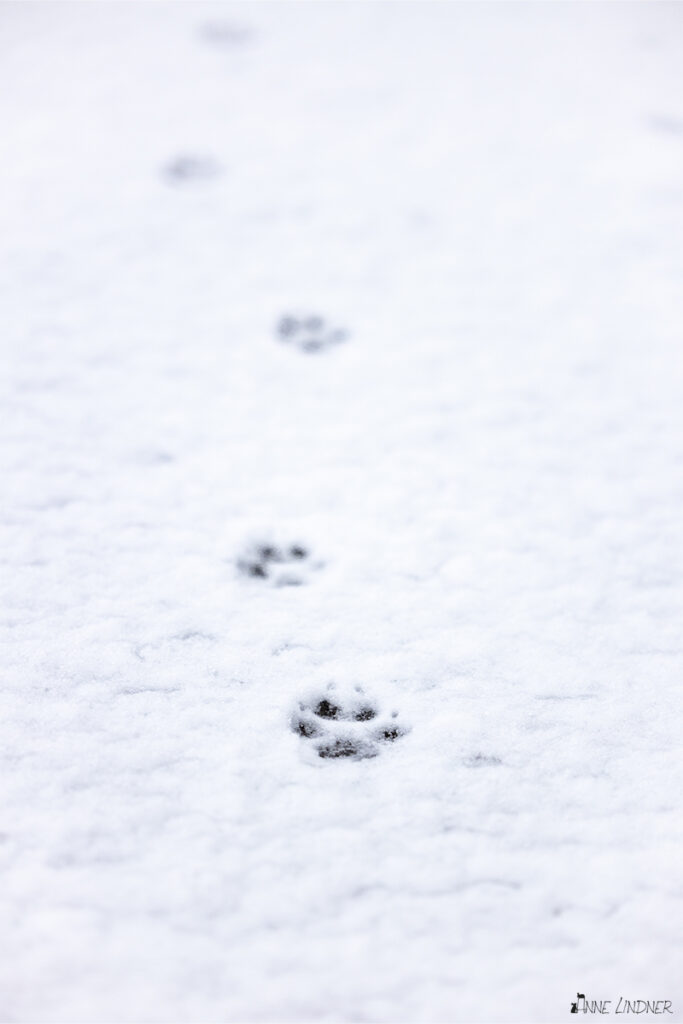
[(487, 478)]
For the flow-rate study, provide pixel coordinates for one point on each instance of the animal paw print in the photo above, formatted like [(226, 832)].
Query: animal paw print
[(310, 333), (351, 726), (225, 33), (187, 168), (284, 565)]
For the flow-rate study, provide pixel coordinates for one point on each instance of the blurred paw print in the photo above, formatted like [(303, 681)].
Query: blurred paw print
[(311, 333), (187, 168), (283, 565), (225, 33)]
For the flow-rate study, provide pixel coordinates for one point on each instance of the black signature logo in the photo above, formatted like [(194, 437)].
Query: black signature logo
[(637, 1006)]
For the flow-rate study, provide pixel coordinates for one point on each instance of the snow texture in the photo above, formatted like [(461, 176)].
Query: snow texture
[(488, 475)]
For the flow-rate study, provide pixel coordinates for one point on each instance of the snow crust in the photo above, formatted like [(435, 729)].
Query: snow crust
[(487, 473)]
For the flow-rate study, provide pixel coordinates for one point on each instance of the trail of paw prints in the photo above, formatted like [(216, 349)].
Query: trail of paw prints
[(188, 168), (282, 565), (311, 333), (352, 726)]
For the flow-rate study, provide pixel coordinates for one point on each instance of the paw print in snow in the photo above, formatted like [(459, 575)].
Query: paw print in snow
[(309, 333), (351, 726), (225, 33), (186, 169), (285, 565)]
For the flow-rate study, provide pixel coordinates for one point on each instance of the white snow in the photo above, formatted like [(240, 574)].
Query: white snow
[(488, 473)]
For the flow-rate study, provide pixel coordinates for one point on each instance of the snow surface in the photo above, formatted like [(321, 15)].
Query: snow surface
[(487, 477)]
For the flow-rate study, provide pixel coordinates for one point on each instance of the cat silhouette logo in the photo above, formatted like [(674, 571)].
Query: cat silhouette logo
[(580, 997)]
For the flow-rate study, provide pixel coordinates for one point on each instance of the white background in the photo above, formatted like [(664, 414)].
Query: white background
[(489, 198)]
